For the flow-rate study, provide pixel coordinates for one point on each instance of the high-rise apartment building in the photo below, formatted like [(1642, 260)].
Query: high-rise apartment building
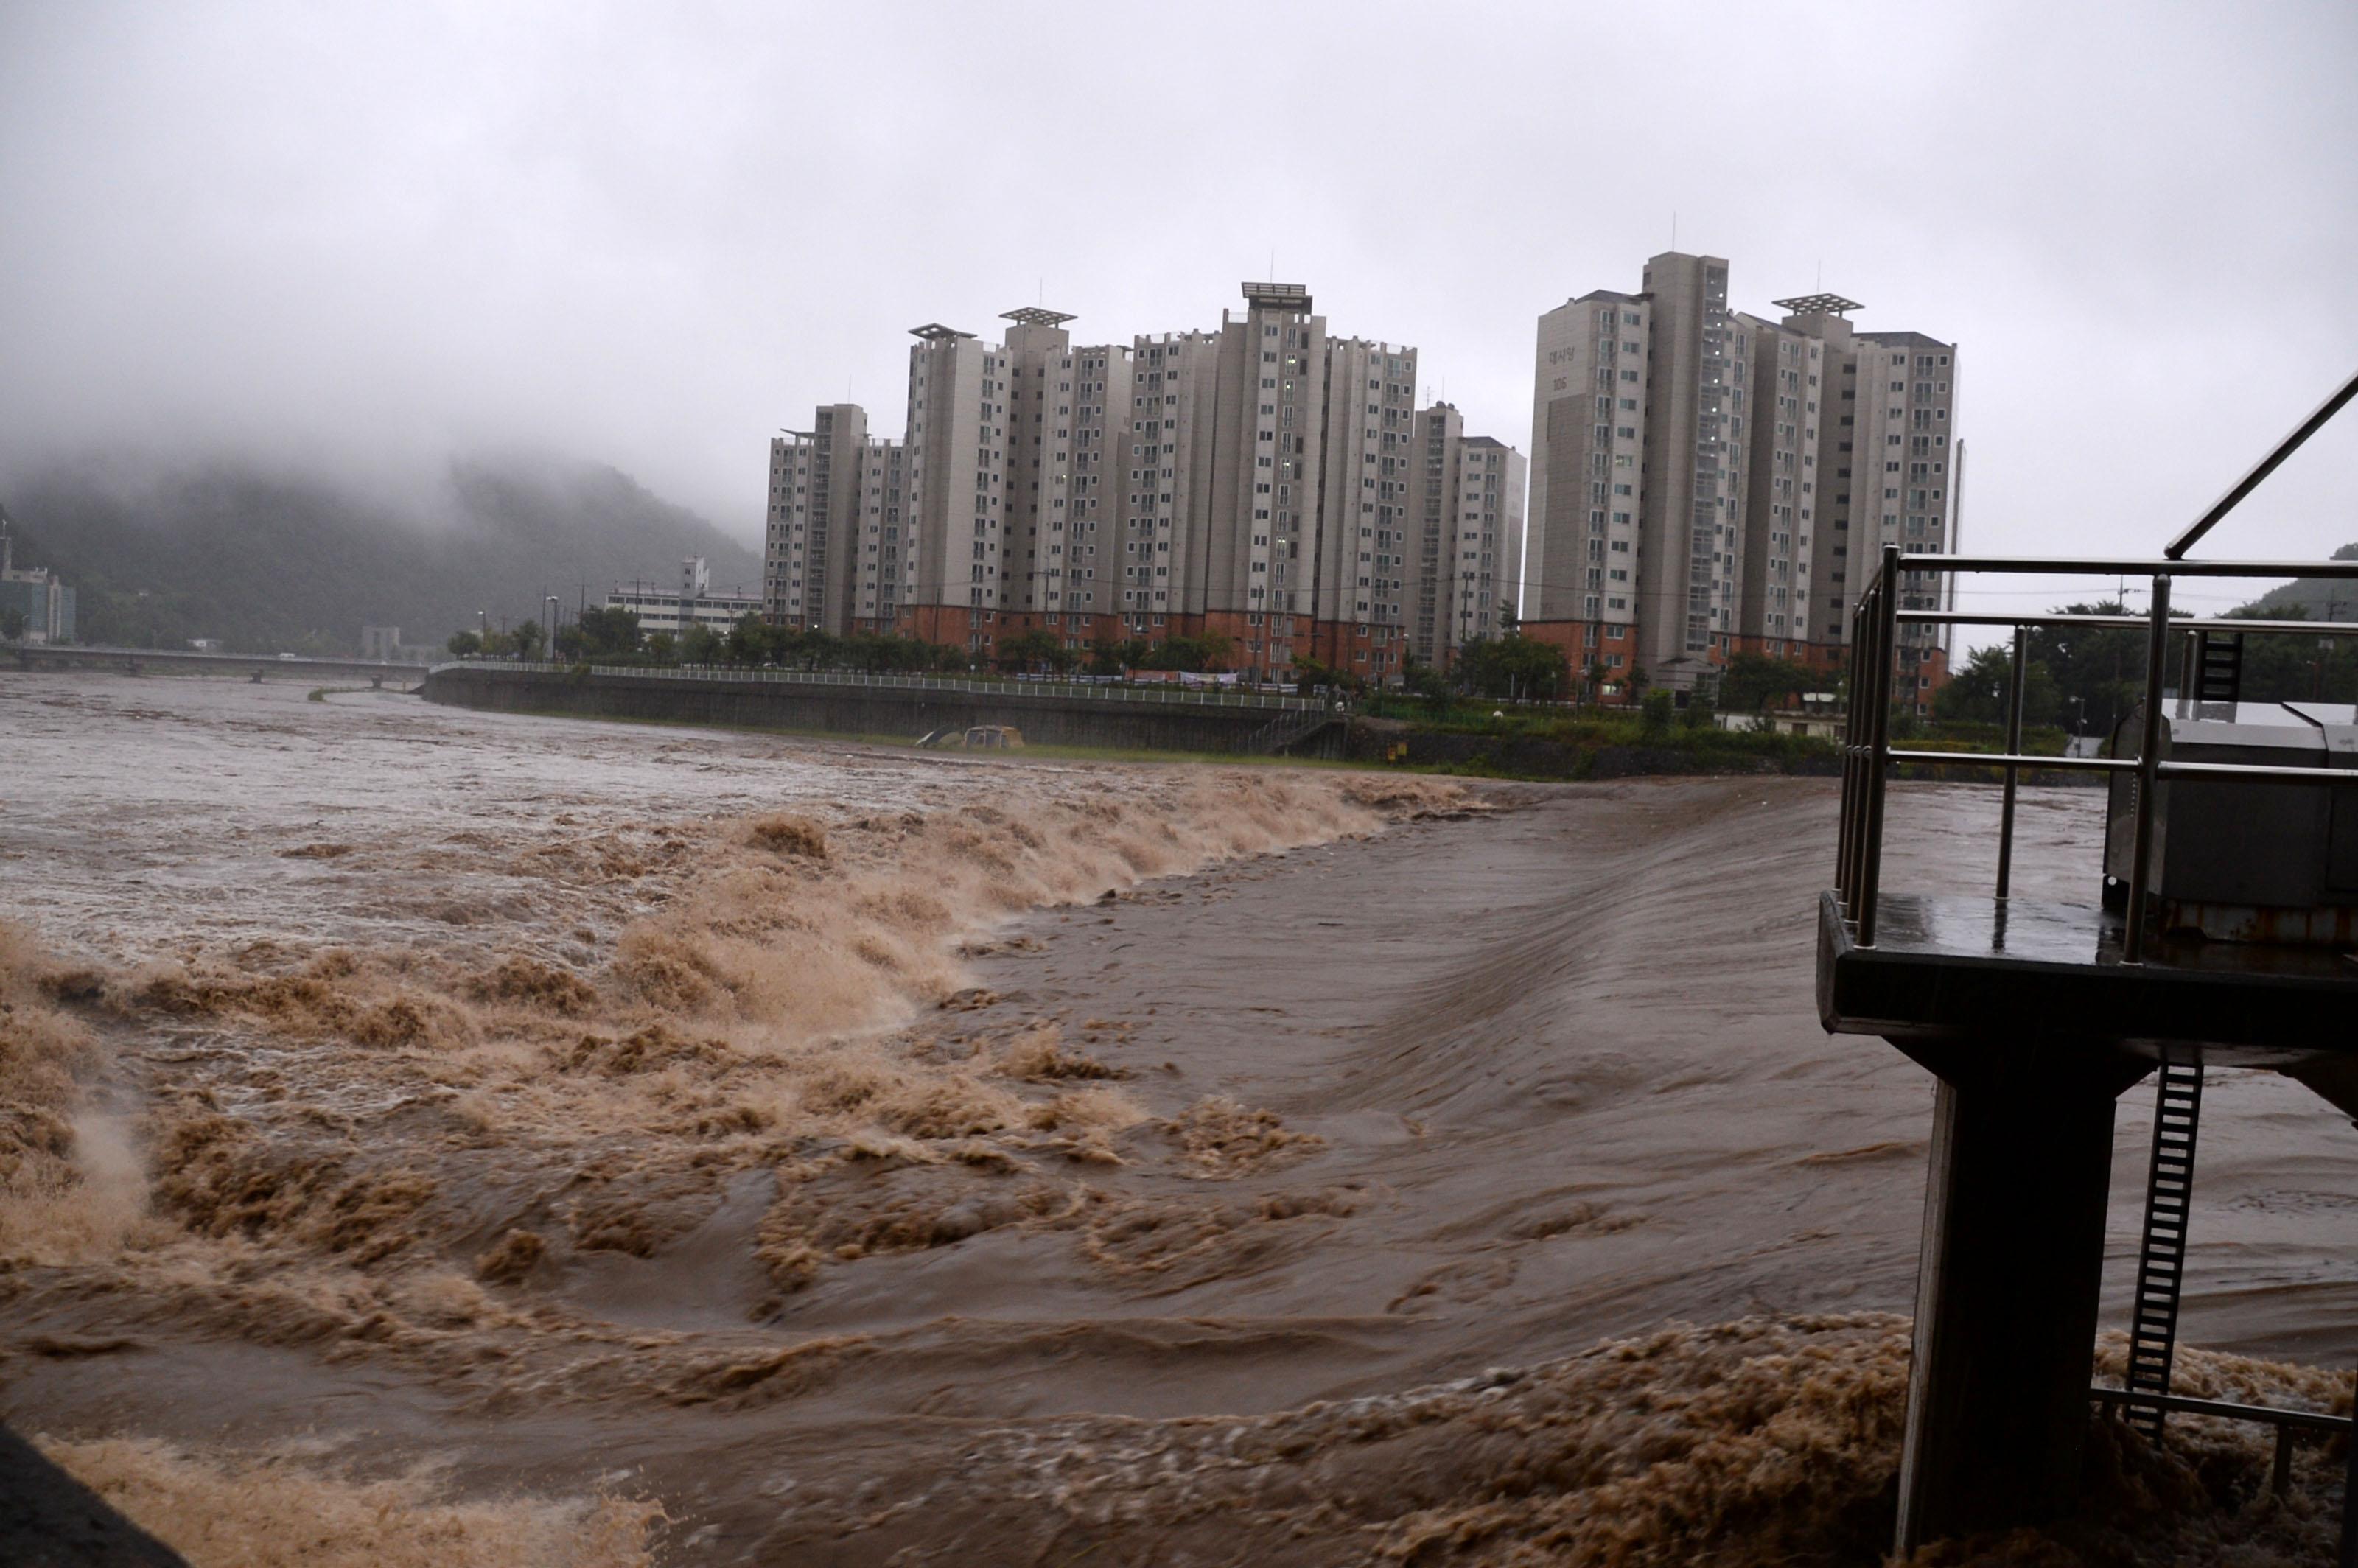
[(1466, 510), (819, 480), (1893, 475), (1791, 378), (1705, 483), (1486, 545), (953, 484), (1588, 442), (1164, 453), (1691, 529), (1439, 441), (1367, 509), (877, 576), (1264, 480)]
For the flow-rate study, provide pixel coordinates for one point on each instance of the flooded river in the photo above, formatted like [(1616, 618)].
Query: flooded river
[(474, 1139)]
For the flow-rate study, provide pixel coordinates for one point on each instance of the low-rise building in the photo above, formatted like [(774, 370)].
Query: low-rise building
[(673, 611), (33, 596)]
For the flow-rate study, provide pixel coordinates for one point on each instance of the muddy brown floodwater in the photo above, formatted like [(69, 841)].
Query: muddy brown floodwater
[(433, 1137)]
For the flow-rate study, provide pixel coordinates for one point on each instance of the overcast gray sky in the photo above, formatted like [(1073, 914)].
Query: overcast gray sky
[(650, 234)]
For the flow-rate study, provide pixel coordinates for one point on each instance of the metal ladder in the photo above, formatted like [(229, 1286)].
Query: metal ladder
[(2161, 1260), (2219, 668)]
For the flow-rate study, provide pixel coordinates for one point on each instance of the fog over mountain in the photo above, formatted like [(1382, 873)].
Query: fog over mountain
[(273, 559), (354, 243)]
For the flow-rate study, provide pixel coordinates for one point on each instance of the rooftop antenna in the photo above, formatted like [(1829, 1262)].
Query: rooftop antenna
[(1674, 228)]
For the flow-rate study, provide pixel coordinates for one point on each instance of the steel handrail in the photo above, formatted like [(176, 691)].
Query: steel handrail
[(2019, 760), (2312, 1421), (1867, 751), (2090, 567), (2285, 1422), (2124, 622), (2261, 469)]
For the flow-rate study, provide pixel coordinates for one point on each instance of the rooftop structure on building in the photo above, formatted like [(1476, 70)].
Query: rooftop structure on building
[(1817, 304)]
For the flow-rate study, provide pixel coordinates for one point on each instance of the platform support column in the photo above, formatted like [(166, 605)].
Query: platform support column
[(2006, 1287)]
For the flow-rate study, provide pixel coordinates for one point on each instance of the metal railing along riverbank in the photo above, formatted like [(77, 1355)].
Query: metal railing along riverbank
[(1084, 690)]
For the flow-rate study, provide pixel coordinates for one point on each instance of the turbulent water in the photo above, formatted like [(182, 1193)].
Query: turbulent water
[(426, 1136)]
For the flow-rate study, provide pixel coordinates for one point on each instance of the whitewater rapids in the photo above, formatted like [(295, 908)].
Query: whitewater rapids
[(434, 1137)]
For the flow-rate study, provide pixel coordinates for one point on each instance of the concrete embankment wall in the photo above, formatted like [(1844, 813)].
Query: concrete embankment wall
[(1521, 756), (855, 709)]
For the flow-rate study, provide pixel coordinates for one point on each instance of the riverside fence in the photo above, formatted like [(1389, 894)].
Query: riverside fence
[(853, 702)]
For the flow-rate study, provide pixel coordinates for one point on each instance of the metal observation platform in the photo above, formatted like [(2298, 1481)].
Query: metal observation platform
[(2223, 932)]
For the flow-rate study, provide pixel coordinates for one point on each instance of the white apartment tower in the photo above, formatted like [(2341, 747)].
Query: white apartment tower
[(1588, 444), (1887, 464), (1468, 515), (1066, 416), (1368, 499), (1793, 393), (820, 504), (1163, 457), (1094, 515), (1263, 482), (954, 483), (1486, 546), (1691, 528), (1439, 441), (1705, 483), (1269, 444)]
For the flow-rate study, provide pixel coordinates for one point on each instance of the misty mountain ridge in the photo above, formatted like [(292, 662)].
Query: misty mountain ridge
[(269, 560), (2309, 597)]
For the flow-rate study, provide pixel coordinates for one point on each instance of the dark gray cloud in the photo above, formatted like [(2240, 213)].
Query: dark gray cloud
[(652, 234)]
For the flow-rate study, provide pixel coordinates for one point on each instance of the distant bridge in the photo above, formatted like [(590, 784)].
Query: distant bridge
[(177, 661)]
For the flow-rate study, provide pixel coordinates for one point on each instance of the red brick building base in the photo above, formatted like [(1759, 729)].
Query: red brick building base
[(1264, 644), (1610, 644)]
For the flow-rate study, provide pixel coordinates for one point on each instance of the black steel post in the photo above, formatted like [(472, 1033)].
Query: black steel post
[(1887, 637), (2350, 1494), (2007, 1285), (2148, 776), (1847, 841), (2013, 749)]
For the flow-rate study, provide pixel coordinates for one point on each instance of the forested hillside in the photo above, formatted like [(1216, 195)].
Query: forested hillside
[(272, 562), (2310, 598)]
